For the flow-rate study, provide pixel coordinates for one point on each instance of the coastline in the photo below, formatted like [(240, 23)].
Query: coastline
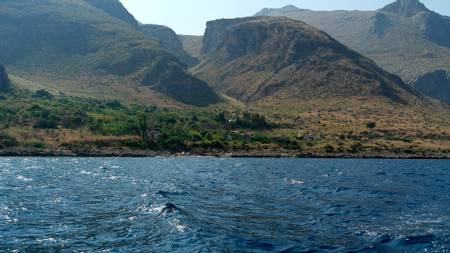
[(215, 153)]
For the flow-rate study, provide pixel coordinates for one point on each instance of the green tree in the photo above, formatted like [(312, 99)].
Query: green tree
[(371, 125), (147, 130)]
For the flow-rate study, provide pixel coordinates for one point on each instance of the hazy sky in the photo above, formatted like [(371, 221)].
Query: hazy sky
[(190, 16)]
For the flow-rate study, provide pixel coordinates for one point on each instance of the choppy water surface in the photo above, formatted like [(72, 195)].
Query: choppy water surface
[(223, 205)]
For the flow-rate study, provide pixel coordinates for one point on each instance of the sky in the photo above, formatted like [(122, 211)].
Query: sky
[(190, 16)]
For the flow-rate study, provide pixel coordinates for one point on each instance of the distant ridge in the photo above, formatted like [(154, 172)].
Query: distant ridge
[(169, 41), (287, 8)]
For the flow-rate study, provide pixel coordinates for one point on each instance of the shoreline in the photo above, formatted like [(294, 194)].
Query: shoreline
[(217, 154)]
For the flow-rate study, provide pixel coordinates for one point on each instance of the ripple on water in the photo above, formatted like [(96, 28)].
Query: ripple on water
[(223, 205)]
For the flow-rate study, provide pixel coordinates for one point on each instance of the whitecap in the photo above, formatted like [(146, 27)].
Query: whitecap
[(295, 181), (113, 178), (24, 179), (9, 219), (156, 209), (178, 226), (46, 240), (57, 200)]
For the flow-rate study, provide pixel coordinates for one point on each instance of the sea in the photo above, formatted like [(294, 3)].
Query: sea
[(205, 204)]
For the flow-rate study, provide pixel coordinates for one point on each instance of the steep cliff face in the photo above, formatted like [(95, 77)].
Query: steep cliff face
[(435, 84), (115, 9), (255, 58), (170, 41), (5, 84)]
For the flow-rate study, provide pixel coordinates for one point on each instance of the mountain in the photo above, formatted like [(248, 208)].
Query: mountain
[(405, 37), (170, 41), (192, 45), (115, 9), (72, 47), (5, 84), (261, 58)]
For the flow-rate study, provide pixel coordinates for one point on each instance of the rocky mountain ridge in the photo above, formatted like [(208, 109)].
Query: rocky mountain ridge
[(404, 37), (258, 57)]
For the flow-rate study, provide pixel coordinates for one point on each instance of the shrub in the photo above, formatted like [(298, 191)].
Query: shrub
[(356, 147), (35, 144), (328, 149), (261, 138), (7, 141), (43, 94), (113, 104), (74, 120), (371, 125), (43, 123)]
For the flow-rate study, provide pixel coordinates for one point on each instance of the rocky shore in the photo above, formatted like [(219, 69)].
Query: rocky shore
[(212, 153)]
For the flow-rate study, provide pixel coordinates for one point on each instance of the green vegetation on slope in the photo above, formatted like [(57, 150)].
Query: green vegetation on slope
[(40, 120), (40, 123)]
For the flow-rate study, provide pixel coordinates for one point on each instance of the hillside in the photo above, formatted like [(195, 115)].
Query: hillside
[(255, 58), (38, 123), (72, 47), (115, 9), (405, 37), (169, 41)]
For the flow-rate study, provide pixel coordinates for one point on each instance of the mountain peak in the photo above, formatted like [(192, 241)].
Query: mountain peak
[(290, 7), (407, 8), (287, 8)]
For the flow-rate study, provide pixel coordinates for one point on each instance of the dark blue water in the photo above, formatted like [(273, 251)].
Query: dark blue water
[(223, 205)]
